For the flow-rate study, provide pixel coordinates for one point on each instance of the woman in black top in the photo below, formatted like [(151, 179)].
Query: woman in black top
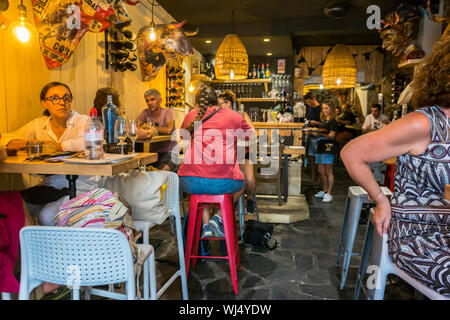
[(326, 150)]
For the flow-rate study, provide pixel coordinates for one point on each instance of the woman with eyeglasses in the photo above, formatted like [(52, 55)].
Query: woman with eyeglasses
[(61, 128)]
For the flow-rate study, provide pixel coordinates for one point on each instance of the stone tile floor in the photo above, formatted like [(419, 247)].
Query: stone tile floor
[(302, 267)]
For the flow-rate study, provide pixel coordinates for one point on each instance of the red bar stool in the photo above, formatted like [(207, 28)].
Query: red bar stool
[(390, 173), (194, 228)]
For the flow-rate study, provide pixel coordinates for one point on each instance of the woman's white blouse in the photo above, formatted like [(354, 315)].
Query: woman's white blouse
[(40, 129)]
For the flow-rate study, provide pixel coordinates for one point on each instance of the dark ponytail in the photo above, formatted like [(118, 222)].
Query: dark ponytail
[(204, 98)]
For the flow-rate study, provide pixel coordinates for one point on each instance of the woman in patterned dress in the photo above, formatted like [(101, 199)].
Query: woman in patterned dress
[(417, 218)]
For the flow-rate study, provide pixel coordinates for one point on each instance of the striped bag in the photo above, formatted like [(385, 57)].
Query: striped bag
[(101, 208)]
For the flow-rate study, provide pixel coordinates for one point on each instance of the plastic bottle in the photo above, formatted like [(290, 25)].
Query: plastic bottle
[(93, 137), (109, 114)]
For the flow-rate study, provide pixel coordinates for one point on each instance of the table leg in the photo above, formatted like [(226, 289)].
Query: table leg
[(72, 185), (285, 176)]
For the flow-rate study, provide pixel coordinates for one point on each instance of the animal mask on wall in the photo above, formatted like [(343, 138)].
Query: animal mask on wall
[(400, 29), (170, 42), (60, 30)]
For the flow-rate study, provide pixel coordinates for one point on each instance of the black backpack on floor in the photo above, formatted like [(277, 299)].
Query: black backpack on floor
[(259, 234)]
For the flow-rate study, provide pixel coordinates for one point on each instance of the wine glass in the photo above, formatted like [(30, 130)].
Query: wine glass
[(120, 130), (132, 131)]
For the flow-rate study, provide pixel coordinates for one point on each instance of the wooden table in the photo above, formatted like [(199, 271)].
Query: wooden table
[(18, 164), (155, 139), (145, 144)]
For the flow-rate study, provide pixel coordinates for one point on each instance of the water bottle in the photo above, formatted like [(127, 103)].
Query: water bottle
[(110, 113), (93, 137)]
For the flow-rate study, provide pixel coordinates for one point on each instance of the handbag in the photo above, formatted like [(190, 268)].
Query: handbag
[(143, 191), (326, 146)]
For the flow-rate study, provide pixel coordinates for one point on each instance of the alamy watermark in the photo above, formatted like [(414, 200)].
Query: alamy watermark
[(374, 20)]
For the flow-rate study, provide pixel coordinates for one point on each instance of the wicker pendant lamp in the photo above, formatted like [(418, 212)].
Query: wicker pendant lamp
[(339, 70), (231, 62)]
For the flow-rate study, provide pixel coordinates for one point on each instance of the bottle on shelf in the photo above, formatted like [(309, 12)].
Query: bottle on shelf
[(254, 72), (93, 137), (267, 75), (262, 72), (110, 113)]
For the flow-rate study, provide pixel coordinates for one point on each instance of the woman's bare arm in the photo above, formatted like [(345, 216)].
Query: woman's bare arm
[(410, 134)]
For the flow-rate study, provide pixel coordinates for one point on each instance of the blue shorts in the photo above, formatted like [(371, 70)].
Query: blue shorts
[(199, 185), (324, 158)]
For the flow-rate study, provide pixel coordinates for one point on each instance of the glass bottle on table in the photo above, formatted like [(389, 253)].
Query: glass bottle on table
[(110, 113), (93, 137)]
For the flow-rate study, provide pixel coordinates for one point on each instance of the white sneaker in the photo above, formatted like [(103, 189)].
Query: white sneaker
[(327, 198), (320, 194)]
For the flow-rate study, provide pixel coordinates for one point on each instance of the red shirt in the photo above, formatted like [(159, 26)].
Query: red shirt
[(212, 152)]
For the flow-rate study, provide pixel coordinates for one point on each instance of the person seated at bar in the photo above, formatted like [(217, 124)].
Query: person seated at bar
[(227, 100), (61, 129), (375, 120), (313, 111), (346, 118), (325, 150), (160, 121), (416, 218), (206, 166), (101, 99)]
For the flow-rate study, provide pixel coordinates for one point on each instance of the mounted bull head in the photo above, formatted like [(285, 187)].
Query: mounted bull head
[(176, 42), (170, 41)]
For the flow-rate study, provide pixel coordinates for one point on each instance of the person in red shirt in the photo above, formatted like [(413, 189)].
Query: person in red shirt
[(210, 163)]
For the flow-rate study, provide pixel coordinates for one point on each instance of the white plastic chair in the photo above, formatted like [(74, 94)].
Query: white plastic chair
[(171, 199), (383, 265), (6, 296), (81, 257)]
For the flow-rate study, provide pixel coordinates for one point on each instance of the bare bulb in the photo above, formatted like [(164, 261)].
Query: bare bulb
[(152, 34), (338, 81), (191, 88), (22, 33)]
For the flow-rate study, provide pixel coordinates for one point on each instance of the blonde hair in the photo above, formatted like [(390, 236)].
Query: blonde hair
[(431, 84), (329, 103)]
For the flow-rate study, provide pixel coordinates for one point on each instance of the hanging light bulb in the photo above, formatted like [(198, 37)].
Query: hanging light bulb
[(321, 87), (338, 81), (152, 33), (191, 88), (21, 29), (231, 75)]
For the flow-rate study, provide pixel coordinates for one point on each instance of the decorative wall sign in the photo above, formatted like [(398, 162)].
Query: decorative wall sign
[(281, 66), (62, 24)]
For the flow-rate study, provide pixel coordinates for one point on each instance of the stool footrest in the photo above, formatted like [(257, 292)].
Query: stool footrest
[(210, 257), (212, 239)]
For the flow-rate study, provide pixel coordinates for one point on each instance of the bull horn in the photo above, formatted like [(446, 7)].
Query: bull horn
[(191, 33), (179, 25)]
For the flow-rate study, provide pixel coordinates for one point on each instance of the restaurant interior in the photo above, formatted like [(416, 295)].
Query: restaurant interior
[(275, 56)]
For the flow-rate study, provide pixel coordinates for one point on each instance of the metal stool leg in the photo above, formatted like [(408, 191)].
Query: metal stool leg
[(352, 225), (343, 233), (364, 260)]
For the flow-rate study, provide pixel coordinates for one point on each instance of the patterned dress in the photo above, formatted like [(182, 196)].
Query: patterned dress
[(419, 231)]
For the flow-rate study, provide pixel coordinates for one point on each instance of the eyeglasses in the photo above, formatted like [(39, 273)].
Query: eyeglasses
[(57, 100)]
